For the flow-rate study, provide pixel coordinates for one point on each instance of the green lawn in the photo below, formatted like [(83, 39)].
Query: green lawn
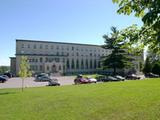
[(129, 100)]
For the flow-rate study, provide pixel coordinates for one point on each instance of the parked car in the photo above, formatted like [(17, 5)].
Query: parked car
[(120, 77), (133, 77), (80, 80), (42, 74), (8, 74), (42, 78), (110, 78), (53, 82), (2, 79), (151, 75), (100, 77), (5, 76), (92, 80)]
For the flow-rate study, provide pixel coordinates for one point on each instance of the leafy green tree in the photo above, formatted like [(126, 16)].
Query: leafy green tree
[(156, 68), (119, 58), (24, 69), (149, 12), (4, 69)]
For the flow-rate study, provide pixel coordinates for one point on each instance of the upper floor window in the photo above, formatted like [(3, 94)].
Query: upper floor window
[(34, 46), (77, 54), (72, 48), (40, 46), (46, 46), (52, 47), (28, 45), (41, 59), (22, 46)]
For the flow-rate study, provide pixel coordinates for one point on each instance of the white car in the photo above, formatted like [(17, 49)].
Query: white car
[(92, 80)]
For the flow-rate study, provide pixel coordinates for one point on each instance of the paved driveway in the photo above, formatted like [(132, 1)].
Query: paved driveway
[(29, 82)]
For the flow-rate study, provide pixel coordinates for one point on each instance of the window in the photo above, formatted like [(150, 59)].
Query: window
[(46, 59), (60, 68), (82, 64), (72, 48), (41, 67), (47, 68), (63, 60), (34, 46), (22, 46), (57, 47), (57, 53), (91, 65), (57, 59), (95, 64), (52, 47), (68, 65), (41, 59), (46, 46), (40, 46), (99, 64), (36, 60), (73, 65), (86, 63), (77, 64), (77, 54), (28, 45)]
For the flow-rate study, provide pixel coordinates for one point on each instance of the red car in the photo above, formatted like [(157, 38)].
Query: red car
[(81, 80)]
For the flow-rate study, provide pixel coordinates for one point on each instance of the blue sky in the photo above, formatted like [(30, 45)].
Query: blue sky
[(78, 21)]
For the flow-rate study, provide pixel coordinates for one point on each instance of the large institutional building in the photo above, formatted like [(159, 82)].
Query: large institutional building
[(59, 57)]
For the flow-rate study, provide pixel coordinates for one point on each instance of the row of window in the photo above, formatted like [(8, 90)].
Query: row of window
[(47, 59), (35, 46), (83, 64)]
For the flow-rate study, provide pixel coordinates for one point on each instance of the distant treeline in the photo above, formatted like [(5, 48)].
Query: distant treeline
[(4, 69)]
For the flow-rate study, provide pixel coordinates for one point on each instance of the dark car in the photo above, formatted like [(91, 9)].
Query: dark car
[(53, 82), (42, 79), (151, 75), (110, 78), (8, 74), (133, 77), (5, 76), (2, 79)]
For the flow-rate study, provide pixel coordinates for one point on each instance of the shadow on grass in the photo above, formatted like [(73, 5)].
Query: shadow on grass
[(6, 93)]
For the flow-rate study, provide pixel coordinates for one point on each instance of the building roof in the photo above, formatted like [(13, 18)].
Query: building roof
[(56, 42)]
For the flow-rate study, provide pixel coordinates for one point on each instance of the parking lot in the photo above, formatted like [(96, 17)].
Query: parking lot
[(29, 82)]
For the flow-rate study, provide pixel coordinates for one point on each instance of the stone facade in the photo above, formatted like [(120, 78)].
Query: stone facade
[(59, 57), (65, 58)]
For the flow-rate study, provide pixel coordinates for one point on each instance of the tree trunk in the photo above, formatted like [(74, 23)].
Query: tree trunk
[(22, 83)]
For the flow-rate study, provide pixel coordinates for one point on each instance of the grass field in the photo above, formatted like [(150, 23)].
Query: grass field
[(130, 100)]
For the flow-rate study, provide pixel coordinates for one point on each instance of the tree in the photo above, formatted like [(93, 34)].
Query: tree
[(147, 66), (119, 58), (156, 68), (4, 69), (24, 69), (148, 11)]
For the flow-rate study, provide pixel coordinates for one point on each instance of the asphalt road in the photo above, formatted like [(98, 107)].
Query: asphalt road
[(29, 82)]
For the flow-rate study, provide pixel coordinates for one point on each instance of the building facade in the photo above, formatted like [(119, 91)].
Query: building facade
[(59, 57)]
